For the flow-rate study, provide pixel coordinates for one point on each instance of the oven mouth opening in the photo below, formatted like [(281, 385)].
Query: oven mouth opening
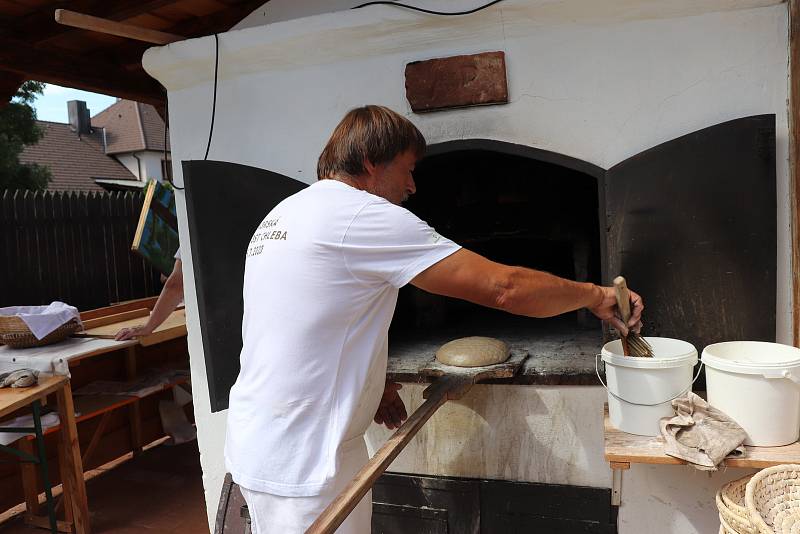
[(513, 208)]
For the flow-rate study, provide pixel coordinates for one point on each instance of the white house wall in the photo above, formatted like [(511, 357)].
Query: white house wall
[(144, 165), (600, 90), (130, 163), (151, 164)]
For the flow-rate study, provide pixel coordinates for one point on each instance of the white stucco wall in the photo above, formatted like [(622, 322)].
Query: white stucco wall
[(598, 81), (148, 164), (130, 163), (151, 164)]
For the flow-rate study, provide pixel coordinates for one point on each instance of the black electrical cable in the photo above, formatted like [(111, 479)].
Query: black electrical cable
[(214, 100), (168, 162), (429, 11)]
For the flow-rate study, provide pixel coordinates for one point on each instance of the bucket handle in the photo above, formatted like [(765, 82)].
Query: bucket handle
[(597, 372), (784, 373)]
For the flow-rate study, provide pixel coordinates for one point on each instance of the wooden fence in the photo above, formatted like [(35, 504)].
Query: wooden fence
[(72, 247)]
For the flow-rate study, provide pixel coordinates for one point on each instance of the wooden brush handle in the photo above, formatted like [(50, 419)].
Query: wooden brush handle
[(623, 298)]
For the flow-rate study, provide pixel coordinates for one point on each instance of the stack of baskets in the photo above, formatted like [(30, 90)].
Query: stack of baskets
[(765, 503), (16, 334)]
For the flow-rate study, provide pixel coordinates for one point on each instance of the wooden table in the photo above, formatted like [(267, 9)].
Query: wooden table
[(623, 449), (59, 358), (71, 466)]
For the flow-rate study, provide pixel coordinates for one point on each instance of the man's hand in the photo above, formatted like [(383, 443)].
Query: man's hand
[(607, 309), (136, 331), (391, 411)]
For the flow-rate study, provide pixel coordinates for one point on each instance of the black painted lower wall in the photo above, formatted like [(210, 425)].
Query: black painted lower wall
[(438, 505)]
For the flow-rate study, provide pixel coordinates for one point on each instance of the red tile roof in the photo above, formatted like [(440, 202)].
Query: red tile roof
[(130, 127), (73, 160)]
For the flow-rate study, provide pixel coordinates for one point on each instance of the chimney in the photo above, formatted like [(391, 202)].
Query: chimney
[(79, 121)]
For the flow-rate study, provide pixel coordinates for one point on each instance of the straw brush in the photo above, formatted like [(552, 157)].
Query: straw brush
[(633, 344)]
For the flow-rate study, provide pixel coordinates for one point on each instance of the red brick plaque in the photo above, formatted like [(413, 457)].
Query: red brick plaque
[(457, 81)]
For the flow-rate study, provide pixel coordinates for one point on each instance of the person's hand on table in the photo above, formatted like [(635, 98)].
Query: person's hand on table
[(391, 411), (607, 311), (136, 331)]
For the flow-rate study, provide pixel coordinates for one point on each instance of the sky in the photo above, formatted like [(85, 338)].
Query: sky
[(52, 105)]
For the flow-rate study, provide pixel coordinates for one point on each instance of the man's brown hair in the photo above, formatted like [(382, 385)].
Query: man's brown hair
[(373, 133)]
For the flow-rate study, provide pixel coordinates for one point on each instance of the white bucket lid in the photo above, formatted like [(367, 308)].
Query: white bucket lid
[(666, 353), (752, 357)]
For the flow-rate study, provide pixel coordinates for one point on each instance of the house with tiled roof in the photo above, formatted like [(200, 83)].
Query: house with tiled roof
[(122, 147)]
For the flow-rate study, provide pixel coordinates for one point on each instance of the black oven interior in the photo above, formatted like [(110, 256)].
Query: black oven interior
[(512, 209)]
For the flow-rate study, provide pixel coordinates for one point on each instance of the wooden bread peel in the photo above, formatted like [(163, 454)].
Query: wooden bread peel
[(452, 384)]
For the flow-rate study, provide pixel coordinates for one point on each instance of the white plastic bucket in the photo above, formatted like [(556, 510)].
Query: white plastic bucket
[(641, 390), (757, 384)]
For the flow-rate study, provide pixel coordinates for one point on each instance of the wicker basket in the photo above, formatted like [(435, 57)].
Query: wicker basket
[(16, 334), (730, 503), (725, 528), (772, 498)]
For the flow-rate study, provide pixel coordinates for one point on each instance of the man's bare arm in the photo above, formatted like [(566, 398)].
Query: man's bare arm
[(469, 276), (171, 295)]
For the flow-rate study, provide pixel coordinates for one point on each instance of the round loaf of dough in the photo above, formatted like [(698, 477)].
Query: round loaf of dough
[(473, 351)]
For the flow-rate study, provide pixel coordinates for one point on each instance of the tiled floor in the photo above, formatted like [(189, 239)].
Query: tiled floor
[(160, 492)]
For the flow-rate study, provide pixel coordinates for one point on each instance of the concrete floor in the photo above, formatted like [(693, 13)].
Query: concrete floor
[(160, 492)]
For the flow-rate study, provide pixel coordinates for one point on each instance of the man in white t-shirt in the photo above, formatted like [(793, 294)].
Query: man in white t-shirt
[(321, 280)]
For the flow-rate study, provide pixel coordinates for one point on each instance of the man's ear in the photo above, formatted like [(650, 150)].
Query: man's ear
[(369, 167)]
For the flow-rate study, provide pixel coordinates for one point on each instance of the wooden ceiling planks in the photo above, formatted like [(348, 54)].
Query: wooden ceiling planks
[(34, 46)]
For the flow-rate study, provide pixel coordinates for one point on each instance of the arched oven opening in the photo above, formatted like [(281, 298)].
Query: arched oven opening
[(515, 205)]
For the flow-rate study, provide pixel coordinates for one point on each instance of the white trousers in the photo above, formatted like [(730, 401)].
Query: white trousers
[(274, 514)]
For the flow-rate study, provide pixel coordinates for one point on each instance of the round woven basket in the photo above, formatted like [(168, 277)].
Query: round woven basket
[(725, 528), (772, 498), (730, 503), (16, 334)]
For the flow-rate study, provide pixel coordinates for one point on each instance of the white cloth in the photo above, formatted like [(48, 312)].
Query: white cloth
[(700, 434), (54, 359), (293, 515), (178, 254), (41, 320), (26, 421), (320, 287)]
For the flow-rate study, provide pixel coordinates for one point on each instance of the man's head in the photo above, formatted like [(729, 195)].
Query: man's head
[(375, 149)]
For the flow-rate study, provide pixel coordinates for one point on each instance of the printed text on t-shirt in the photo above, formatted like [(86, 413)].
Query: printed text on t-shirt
[(266, 231)]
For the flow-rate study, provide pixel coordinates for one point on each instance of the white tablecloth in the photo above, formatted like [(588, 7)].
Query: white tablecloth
[(54, 359)]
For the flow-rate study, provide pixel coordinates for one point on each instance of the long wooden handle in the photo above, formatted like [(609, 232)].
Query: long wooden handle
[(623, 298), (338, 510), (624, 305)]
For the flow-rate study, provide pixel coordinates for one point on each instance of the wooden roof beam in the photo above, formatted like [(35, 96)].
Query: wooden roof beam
[(53, 66), (39, 26), (218, 22), (120, 29)]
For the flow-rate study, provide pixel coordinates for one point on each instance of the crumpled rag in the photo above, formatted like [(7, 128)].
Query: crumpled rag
[(700, 434)]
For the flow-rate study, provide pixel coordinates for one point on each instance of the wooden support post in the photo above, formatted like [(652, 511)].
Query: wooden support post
[(30, 481), (73, 482), (616, 481), (134, 410), (87, 455), (66, 498), (120, 29), (794, 164)]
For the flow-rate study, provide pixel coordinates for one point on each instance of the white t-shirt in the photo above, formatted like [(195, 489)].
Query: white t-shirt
[(320, 287)]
